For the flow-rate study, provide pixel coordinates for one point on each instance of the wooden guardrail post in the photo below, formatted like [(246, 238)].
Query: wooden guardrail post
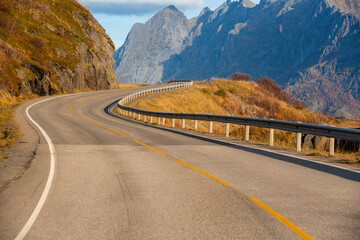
[(271, 137), (139, 117), (144, 118), (134, 115), (173, 122), (159, 120), (227, 130), (195, 124), (183, 123), (164, 121), (247, 133), (331, 147), (151, 119), (298, 142), (210, 127)]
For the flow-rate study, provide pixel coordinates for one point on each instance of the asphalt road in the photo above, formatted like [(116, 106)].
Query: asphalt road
[(116, 179)]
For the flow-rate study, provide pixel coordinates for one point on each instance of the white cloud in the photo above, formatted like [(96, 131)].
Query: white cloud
[(137, 7), (177, 3)]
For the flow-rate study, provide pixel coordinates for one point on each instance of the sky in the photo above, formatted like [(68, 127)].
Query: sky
[(118, 16)]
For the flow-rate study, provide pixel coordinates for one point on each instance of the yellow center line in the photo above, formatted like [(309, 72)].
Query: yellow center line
[(95, 124), (116, 132), (150, 147), (289, 224), (79, 118), (205, 173)]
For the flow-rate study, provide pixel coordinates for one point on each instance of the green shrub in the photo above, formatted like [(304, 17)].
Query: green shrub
[(221, 93)]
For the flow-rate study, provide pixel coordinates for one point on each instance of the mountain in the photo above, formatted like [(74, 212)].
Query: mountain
[(310, 47), (149, 45), (52, 46)]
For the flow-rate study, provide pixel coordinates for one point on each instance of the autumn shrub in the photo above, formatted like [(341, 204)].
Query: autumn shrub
[(6, 5), (7, 23), (221, 93), (39, 43), (240, 77), (270, 86)]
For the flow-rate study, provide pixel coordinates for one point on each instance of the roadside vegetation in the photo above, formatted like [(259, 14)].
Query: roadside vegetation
[(9, 131), (241, 97)]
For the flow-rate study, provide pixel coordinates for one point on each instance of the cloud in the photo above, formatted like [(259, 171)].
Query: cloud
[(137, 7)]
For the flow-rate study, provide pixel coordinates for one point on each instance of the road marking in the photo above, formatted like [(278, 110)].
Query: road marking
[(116, 132), (95, 124), (79, 118), (45, 193), (289, 224), (205, 173), (150, 147)]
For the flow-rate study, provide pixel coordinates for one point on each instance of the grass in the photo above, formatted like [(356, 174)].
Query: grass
[(34, 32), (243, 98), (124, 86), (9, 131)]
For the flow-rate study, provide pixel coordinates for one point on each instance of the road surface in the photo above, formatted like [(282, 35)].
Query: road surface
[(116, 179)]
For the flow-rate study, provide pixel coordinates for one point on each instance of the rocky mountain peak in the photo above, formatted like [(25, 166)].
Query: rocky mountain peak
[(310, 47), (171, 8)]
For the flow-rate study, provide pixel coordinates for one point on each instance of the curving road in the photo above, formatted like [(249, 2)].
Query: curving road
[(116, 179)]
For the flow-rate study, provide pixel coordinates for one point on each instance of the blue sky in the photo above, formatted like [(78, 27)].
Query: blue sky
[(118, 16)]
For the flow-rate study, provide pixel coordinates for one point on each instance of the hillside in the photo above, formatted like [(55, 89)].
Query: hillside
[(261, 99), (310, 47), (52, 46)]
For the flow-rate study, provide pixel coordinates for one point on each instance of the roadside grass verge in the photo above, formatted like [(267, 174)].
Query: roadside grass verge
[(128, 85), (9, 130)]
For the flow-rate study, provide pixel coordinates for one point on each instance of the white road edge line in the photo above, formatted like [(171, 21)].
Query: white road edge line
[(45, 193)]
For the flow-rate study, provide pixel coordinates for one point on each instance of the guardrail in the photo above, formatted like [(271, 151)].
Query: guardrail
[(298, 128)]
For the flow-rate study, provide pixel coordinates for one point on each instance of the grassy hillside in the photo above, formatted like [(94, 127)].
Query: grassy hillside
[(263, 99), (48, 47), (40, 42)]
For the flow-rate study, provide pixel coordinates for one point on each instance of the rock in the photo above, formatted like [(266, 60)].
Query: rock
[(311, 48), (62, 52)]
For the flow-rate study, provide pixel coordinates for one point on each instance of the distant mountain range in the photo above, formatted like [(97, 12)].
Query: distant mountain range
[(310, 47)]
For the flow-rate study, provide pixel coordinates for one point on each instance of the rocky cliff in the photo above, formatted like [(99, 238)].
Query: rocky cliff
[(310, 47), (51, 46), (149, 45)]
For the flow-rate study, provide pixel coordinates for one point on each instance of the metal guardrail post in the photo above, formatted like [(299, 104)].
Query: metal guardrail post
[(271, 137), (331, 147), (247, 133), (139, 116), (173, 122), (298, 142), (210, 127), (299, 128), (159, 120), (227, 129), (151, 119), (164, 121)]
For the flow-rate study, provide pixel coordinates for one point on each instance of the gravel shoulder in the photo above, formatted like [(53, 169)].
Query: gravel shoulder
[(19, 156)]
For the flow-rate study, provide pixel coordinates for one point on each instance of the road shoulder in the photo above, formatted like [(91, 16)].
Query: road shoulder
[(21, 155)]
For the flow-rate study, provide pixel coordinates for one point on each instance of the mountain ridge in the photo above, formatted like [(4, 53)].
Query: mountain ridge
[(309, 47)]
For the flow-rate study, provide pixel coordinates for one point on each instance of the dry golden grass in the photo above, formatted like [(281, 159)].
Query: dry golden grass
[(9, 131), (124, 86), (240, 98)]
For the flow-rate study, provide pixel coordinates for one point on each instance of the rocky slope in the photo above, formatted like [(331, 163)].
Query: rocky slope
[(51, 46), (149, 45), (311, 47)]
